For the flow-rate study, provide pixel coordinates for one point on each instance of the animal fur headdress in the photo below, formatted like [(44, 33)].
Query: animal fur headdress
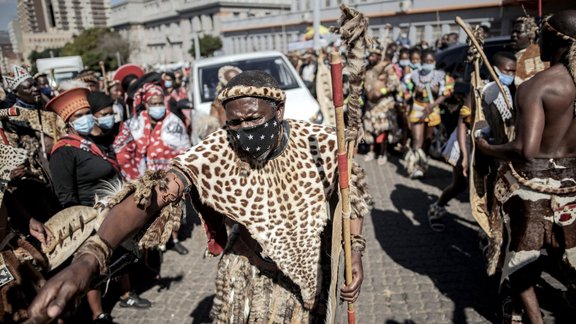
[(530, 24), (20, 75), (256, 84)]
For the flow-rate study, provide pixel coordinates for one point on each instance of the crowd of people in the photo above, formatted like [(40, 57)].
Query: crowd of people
[(409, 104), (245, 167), (80, 138)]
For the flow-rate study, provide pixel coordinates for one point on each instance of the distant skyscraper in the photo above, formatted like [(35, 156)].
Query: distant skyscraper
[(43, 24)]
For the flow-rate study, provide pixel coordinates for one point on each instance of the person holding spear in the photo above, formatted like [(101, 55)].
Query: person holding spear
[(272, 181), (536, 192)]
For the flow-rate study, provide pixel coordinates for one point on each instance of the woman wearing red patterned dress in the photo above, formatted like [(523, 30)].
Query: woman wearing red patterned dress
[(149, 140)]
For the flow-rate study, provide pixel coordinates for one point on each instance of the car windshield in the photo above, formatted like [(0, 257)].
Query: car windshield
[(275, 66)]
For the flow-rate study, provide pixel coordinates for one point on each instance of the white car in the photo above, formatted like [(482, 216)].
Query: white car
[(299, 102)]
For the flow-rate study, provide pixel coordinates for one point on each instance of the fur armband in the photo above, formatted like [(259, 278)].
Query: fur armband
[(159, 230), (99, 249), (360, 199), (358, 243)]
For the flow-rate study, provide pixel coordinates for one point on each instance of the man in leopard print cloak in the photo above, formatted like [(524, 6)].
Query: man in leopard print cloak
[(536, 190), (273, 184)]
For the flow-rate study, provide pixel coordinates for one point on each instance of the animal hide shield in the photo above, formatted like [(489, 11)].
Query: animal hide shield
[(70, 227)]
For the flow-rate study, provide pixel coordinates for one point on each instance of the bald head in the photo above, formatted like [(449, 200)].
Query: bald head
[(564, 22), (558, 35)]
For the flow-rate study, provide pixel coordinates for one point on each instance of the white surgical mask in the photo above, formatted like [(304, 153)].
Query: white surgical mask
[(106, 122), (157, 112), (428, 67), (84, 124)]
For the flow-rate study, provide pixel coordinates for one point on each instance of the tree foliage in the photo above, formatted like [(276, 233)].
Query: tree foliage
[(98, 44), (208, 45), (49, 52)]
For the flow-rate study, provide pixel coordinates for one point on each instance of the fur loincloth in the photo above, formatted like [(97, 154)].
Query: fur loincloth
[(537, 222), (252, 290), (282, 202), (381, 118)]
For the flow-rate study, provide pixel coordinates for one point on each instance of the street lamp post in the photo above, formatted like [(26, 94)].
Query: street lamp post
[(316, 14)]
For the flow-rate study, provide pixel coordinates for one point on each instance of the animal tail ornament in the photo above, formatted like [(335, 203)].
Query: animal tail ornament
[(353, 31)]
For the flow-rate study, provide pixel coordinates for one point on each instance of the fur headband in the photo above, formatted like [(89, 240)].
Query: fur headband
[(249, 91)]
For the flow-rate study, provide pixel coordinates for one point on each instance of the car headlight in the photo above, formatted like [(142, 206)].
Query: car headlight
[(317, 118)]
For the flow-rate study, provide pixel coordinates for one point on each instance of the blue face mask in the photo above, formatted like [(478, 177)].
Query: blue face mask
[(415, 66), (106, 122), (404, 63), (47, 91), (84, 124), (505, 79), (157, 112), (167, 84), (427, 68)]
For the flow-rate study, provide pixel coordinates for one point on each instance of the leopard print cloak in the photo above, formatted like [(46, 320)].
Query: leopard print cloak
[(282, 202)]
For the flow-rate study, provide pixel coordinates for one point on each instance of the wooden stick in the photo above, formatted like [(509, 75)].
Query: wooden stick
[(468, 32), (343, 170), (103, 69)]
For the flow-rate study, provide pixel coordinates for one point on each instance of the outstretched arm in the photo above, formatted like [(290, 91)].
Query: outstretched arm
[(123, 220)]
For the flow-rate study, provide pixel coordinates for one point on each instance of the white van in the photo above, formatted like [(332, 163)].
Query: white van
[(300, 104), (65, 67)]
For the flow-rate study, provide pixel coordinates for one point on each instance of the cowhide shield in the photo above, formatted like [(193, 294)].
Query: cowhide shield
[(70, 228)]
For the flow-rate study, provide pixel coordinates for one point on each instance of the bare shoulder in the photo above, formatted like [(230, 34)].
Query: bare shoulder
[(552, 82)]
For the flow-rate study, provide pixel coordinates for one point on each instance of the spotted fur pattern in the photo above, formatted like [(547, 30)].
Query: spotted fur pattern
[(10, 158), (282, 202), (250, 91)]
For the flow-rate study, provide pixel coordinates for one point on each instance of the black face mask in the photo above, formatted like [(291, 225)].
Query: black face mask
[(257, 140)]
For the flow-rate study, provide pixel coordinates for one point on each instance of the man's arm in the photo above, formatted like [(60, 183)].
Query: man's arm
[(123, 220), (529, 127), (126, 218), (360, 201)]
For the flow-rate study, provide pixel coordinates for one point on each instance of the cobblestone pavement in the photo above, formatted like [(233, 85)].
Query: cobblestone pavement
[(412, 274)]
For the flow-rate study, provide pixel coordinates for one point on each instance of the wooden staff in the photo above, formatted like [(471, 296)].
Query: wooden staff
[(103, 69), (470, 34), (343, 170)]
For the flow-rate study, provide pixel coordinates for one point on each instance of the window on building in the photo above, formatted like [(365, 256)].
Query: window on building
[(436, 31), (419, 33)]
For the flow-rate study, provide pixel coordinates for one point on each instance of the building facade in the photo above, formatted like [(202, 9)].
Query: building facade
[(44, 24), (7, 55), (162, 30), (419, 20)]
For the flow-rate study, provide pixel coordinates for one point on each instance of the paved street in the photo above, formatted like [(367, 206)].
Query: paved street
[(412, 275)]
